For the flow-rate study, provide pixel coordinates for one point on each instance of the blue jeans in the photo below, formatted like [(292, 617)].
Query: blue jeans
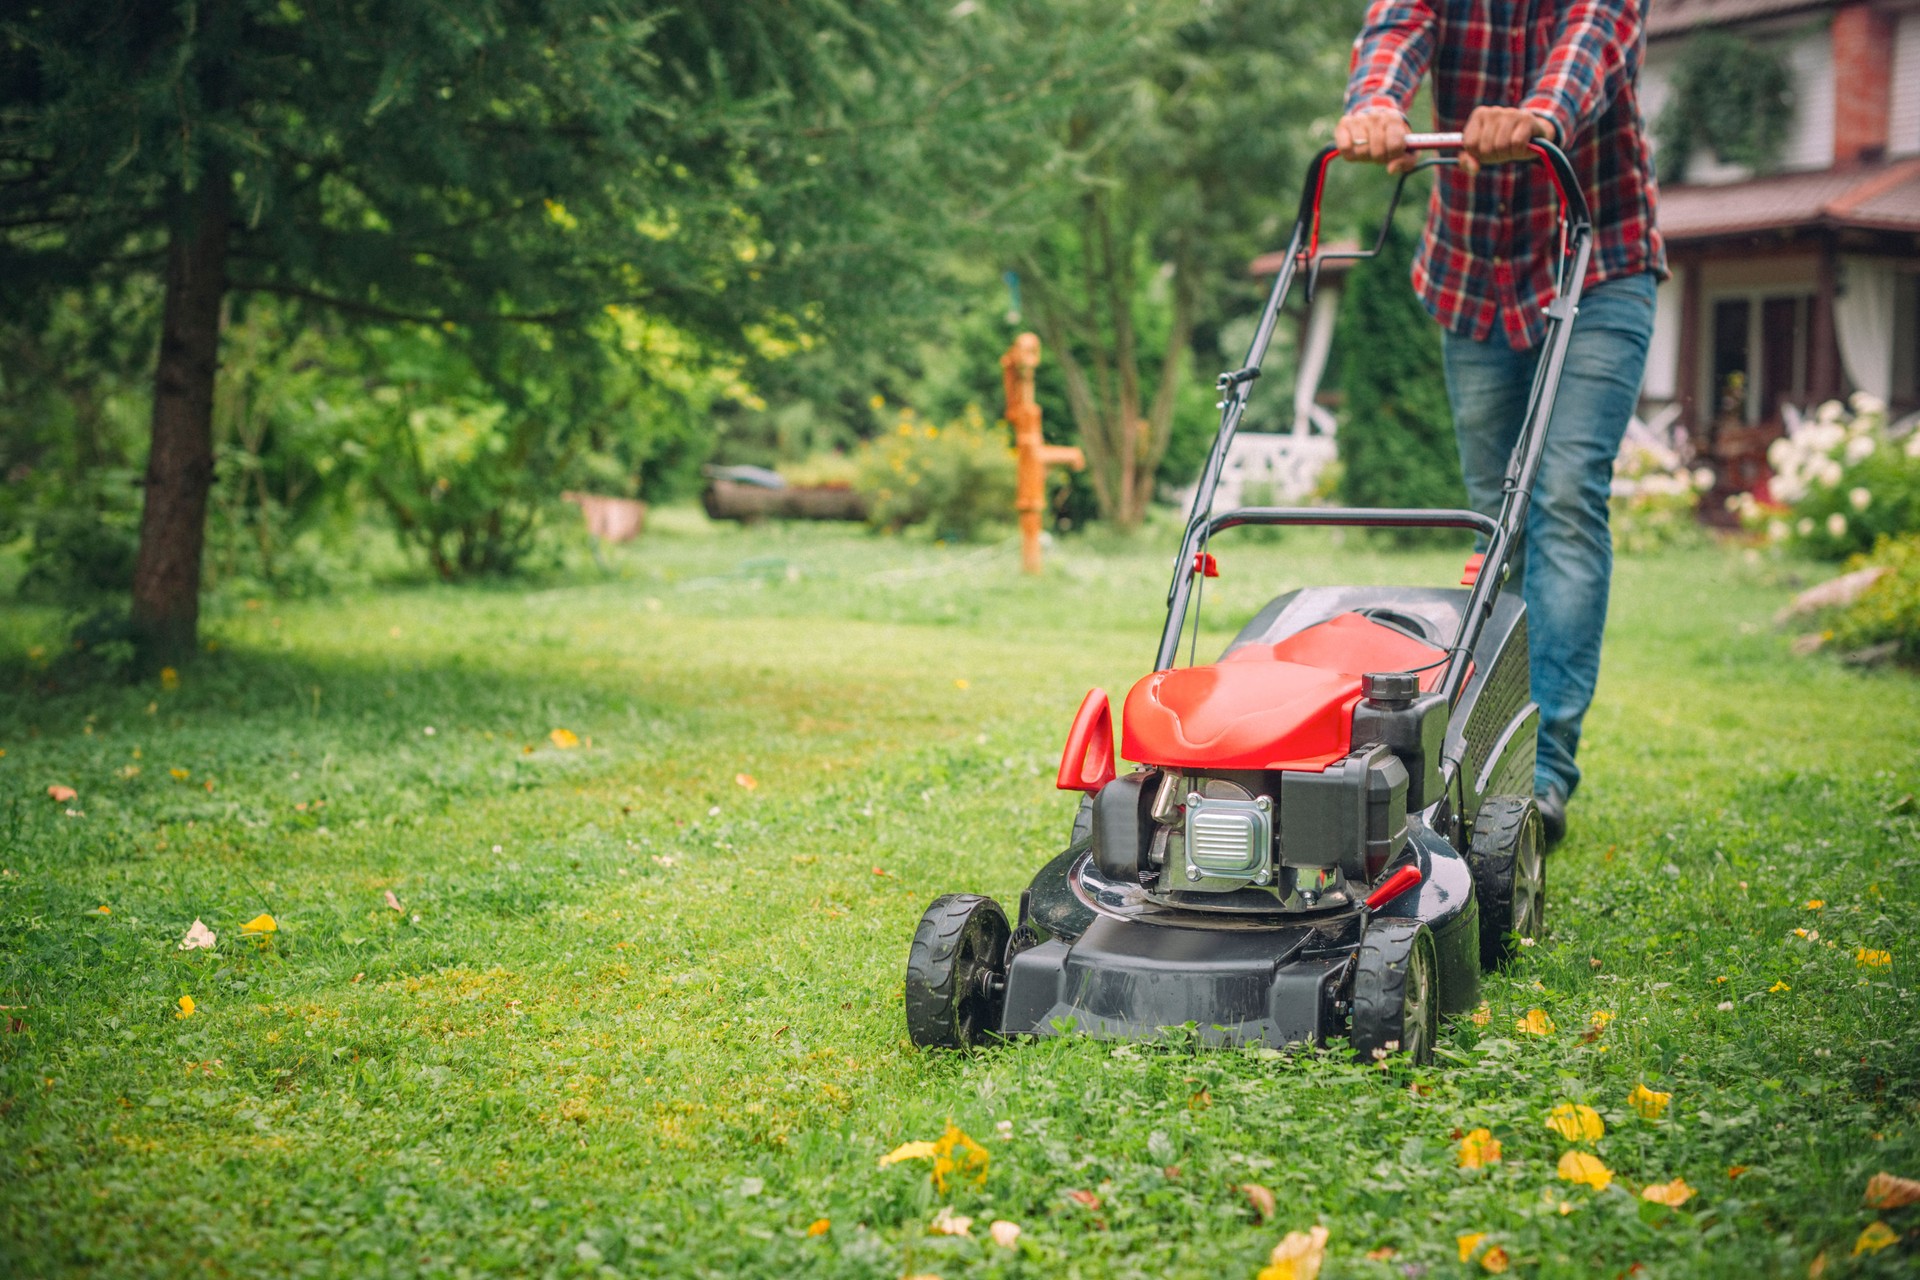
[(1568, 550)]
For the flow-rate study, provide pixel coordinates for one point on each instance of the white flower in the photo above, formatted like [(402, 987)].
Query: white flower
[(1913, 445), (1702, 478), (1804, 526), (1725, 1006), (1830, 412), (1837, 525), (1781, 454), (1864, 403), (1859, 449), (1828, 473), (1777, 531), (1860, 498)]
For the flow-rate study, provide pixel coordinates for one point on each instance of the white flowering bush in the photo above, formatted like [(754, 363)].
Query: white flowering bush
[(1655, 495), (1841, 481)]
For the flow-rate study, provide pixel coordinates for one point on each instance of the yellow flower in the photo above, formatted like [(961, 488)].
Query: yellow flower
[(180, 775), (1672, 1194), (565, 739), (1479, 1148), (1578, 1166), (260, 925), (1648, 1102), (1875, 1238), (955, 1153), (1599, 1019), (1868, 958), (186, 1007), (1814, 904), (1779, 986), (169, 678), (1468, 1243), (1576, 1122), (1536, 1023), (819, 1227), (1298, 1257)]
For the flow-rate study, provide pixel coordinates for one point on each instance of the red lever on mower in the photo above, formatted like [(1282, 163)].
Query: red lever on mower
[(1087, 763), (1396, 884)]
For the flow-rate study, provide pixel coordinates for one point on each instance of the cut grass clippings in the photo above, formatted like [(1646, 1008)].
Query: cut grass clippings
[(590, 907)]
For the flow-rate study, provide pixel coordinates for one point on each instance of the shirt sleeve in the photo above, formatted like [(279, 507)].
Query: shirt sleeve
[(1587, 66), (1390, 56)]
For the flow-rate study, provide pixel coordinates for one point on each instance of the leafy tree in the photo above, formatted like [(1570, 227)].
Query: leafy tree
[(1184, 170), (1396, 428), (1730, 95), (482, 167)]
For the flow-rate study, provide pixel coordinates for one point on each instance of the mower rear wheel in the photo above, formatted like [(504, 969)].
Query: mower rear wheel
[(1508, 859), (1396, 992), (956, 972)]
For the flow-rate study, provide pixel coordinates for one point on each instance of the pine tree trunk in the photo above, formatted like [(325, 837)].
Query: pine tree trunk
[(173, 523)]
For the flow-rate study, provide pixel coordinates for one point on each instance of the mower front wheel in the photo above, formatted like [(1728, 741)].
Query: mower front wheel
[(1508, 859), (1396, 993), (956, 972)]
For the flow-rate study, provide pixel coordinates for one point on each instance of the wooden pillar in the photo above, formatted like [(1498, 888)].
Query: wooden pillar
[(1033, 454), (1823, 361), (1687, 376)]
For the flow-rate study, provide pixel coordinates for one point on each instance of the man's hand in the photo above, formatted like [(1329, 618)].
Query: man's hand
[(1374, 137), (1497, 135)]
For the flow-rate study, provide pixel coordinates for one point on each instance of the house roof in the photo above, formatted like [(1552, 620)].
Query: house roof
[(1671, 17), (1882, 197)]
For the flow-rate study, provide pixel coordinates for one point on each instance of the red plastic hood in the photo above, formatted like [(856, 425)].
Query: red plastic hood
[(1281, 706)]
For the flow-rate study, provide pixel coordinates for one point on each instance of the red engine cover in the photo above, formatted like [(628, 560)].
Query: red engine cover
[(1280, 706)]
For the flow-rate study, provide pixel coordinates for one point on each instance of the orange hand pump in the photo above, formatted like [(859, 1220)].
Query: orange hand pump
[(1034, 454)]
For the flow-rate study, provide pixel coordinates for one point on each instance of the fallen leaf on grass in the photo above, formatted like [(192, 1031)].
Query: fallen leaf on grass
[(1261, 1198), (1578, 1166), (180, 775), (745, 780), (60, 794), (198, 937), (169, 678), (1481, 1016), (1672, 1194), (1885, 1191), (1495, 1260), (1479, 1149), (1005, 1234), (1297, 1257), (1468, 1243), (1648, 1102), (949, 1223), (1868, 958), (1536, 1023), (1576, 1122), (393, 903), (186, 1008), (819, 1227), (1876, 1237), (907, 1151), (1085, 1199), (565, 739), (259, 927), (1818, 1267), (1735, 1170), (102, 910), (1381, 1254), (1200, 1100)]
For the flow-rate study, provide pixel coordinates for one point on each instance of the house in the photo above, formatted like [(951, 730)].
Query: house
[(1793, 279)]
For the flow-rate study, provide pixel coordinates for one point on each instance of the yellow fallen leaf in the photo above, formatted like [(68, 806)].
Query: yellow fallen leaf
[(169, 678), (1478, 1149), (186, 1007), (1868, 958), (1779, 986), (1814, 904), (1481, 1016), (907, 1151), (960, 683), (60, 794), (1005, 1234), (1885, 1191), (1298, 1256), (259, 926), (955, 1153), (1578, 1166), (1576, 1122), (1261, 1198), (1381, 1254), (565, 739), (819, 1227), (103, 910), (1672, 1194), (1536, 1023), (1495, 1260), (948, 1223), (1876, 1237), (1648, 1102), (180, 775), (745, 780), (1468, 1243), (1818, 1267)]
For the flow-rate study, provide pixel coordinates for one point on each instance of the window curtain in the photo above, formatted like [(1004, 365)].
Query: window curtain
[(1863, 321)]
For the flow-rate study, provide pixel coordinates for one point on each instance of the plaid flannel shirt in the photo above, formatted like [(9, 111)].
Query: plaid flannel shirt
[(1488, 255)]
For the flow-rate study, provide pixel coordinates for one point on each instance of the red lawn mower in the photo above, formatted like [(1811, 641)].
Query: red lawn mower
[(1328, 831)]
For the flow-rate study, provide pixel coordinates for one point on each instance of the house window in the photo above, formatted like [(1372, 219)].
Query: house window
[(1760, 345), (1906, 343)]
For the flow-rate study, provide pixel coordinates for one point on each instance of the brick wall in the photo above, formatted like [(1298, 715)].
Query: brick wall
[(1863, 44)]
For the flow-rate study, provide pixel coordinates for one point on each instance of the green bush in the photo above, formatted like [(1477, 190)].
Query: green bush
[(1889, 611), (958, 478), (1655, 497), (1396, 428)]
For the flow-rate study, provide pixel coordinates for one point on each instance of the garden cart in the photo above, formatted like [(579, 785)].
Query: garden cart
[(1329, 831)]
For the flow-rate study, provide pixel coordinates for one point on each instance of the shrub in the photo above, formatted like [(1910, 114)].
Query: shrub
[(1844, 481), (958, 478), (1654, 498), (1888, 612)]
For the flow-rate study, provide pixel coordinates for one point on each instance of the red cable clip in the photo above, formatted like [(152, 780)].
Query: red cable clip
[(1471, 574), (1205, 565)]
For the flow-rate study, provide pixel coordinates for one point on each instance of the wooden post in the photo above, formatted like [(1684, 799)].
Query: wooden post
[(1033, 453)]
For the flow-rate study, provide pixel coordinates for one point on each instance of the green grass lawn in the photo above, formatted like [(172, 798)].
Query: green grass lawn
[(638, 1012)]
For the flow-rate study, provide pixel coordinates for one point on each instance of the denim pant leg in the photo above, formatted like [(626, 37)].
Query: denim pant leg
[(1569, 561)]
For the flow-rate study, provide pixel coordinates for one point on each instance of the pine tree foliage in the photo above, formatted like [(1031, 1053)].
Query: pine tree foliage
[(1396, 428)]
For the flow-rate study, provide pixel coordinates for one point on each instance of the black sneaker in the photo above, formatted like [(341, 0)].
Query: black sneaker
[(1551, 800)]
